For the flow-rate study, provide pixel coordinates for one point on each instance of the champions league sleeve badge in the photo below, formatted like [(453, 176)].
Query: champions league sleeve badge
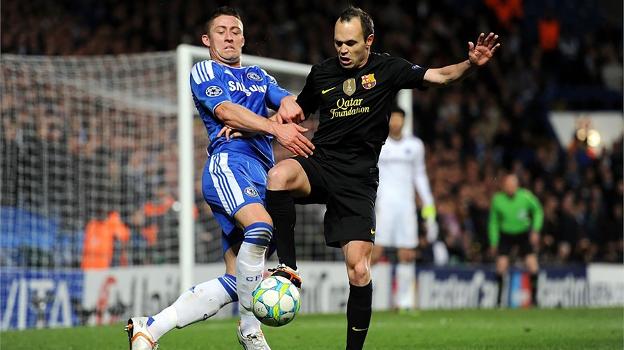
[(213, 91)]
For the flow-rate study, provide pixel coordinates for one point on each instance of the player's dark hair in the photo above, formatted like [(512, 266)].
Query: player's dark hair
[(350, 12), (397, 109), (221, 11)]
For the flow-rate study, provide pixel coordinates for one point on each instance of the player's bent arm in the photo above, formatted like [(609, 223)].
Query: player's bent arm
[(231, 133), (238, 117), (437, 77), (288, 135)]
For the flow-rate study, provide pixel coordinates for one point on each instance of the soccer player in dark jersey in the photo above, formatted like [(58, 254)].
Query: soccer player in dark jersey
[(354, 93)]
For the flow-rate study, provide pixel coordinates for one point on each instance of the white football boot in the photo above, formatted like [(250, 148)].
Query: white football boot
[(253, 341), (139, 337)]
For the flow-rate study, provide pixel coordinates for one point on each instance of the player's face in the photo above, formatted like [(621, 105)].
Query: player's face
[(225, 40), (396, 123), (350, 44), (510, 185)]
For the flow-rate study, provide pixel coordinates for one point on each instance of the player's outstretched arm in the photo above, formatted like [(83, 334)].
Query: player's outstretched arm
[(478, 55), (288, 135)]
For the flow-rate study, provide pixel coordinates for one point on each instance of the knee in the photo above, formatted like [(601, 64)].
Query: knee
[(359, 273), (278, 178)]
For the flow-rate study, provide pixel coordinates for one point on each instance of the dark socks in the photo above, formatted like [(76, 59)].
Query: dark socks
[(281, 207), (359, 309), (534, 289), (499, 283)]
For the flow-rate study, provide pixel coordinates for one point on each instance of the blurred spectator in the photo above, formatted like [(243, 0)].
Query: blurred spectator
[(548, 29), (570, 227), (549, 241), (557, 57), (611, 72), (101, 234), (614, 236), (506, 10)]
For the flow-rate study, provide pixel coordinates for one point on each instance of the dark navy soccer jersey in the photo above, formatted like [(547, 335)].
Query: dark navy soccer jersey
[(250, 87), (354, 104)]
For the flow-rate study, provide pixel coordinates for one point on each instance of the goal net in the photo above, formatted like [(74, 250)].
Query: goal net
[(100, 163), (88, 161)]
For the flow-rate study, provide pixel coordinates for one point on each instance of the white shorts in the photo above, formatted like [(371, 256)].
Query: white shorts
[(397, 226)]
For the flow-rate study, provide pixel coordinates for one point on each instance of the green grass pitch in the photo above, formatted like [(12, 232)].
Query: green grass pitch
[(459, 329)]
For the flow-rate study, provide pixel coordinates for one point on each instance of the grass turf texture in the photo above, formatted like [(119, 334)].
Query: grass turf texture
[(460, 329)]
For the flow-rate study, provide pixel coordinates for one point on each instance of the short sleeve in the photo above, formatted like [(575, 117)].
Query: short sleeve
[(407, 75), (308, 97), (208, 86)]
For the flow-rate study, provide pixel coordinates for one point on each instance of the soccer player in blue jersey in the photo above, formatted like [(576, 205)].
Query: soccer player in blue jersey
[(229, 96)]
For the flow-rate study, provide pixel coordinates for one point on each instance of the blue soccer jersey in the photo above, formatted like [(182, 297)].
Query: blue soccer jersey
[(250, 87), (236, 171)]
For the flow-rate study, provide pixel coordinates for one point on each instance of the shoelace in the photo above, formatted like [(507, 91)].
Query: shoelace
[(257, 340)]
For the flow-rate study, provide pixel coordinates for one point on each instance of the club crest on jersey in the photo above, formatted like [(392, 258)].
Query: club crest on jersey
[(254, 76), (213, 91), (368, 81), (349, 86), (251, 192)]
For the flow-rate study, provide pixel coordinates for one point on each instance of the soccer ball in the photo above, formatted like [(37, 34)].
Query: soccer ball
[(275, 301)]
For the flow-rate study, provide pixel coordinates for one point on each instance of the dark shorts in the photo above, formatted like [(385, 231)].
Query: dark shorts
[(350, 199), (509, 243)]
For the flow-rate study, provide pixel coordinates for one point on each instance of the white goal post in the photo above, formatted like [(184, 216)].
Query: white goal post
[(186, 56)]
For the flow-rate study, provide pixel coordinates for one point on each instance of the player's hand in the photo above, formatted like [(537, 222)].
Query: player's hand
[(229, 133), (481, 53), (291, 137), (289, 111)]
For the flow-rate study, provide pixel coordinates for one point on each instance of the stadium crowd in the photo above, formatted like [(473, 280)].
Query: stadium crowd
[(567, 57)]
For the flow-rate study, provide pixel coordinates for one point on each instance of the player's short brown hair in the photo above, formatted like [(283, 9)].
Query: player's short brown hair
[(397, 109), (350, 12), (221, 11)]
